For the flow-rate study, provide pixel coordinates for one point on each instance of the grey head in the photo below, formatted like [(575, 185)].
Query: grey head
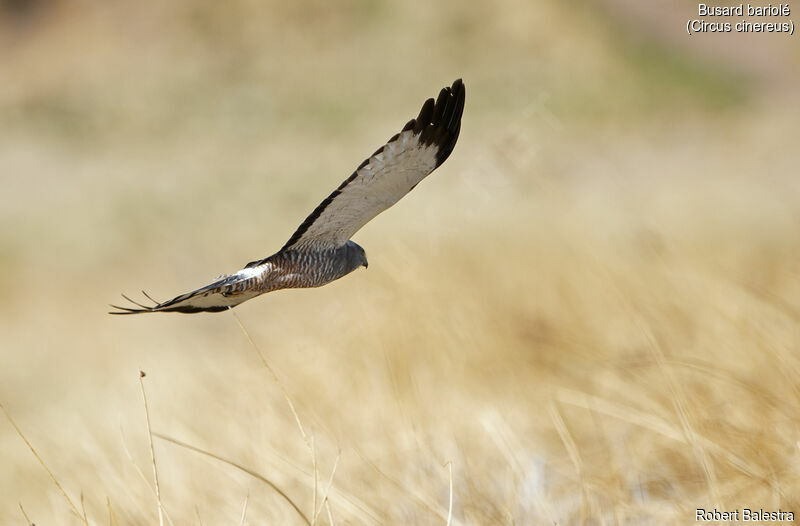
[(353, 257), (346, 259)]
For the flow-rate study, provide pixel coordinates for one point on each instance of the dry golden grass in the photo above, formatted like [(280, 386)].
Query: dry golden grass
[(588, 315)]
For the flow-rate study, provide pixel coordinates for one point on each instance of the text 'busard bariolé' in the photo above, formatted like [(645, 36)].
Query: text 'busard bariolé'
[(746, 18)]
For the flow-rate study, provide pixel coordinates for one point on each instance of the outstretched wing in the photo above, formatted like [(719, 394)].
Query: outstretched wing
[(388, 175), (380, 181), (223, 294)]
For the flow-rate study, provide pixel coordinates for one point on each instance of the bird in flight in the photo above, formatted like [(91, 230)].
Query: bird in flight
[(320, 250)]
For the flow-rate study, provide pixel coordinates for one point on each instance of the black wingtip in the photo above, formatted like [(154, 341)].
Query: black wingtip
[(438, 122), (445, 126), (424, 117)]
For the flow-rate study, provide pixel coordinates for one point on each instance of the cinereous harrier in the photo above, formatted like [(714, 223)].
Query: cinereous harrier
[(320, 251)]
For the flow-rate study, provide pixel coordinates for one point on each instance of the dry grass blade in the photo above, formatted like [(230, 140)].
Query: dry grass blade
[(357, 506), (152, 451), (140, 472), (657, 425), (449, 465), (351, 503), (574, 455), (83, 508), (327, 490), (41, 461), (421, 501), (309, 443), (679, 403), (274, 377), (240, 468), (244, 510), (566, 438), (112, 518), (27, 519), (511, 448), (628, 414), (316, 480)]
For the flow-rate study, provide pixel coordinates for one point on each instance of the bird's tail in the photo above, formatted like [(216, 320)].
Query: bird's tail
[(221, 295)]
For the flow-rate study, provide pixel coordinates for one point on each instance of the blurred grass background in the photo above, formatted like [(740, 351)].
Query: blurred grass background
[(591, 310)]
